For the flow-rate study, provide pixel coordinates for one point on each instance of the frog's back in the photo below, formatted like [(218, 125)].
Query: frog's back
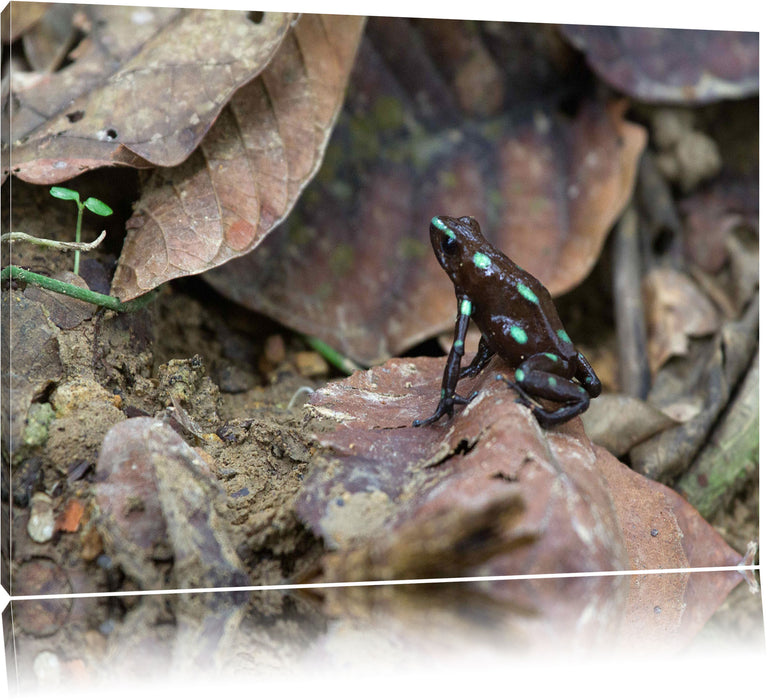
[(517, 314)]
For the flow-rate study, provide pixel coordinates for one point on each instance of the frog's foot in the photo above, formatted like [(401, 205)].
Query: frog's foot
[(446, 406), (523, 397)]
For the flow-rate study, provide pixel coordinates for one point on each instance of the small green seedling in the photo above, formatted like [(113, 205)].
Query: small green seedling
[(93, 204)]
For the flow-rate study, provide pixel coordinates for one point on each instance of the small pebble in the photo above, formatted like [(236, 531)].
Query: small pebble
[(275, 349), (310, 364), (40, 526), (47, 668)]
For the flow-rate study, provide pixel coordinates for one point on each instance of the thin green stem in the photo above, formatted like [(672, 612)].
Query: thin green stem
[(78, 236), (71, 290), (342, 363)]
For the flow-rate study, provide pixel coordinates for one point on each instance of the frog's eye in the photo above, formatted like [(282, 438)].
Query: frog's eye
[(449, 245)]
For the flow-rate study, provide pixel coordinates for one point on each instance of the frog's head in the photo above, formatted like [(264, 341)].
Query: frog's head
[(458, 245)]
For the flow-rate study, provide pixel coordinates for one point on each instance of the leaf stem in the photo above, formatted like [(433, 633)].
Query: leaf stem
[(342, 363), (77, 259), (71, 290)]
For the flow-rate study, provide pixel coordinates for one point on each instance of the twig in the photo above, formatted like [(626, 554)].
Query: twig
[(71, 290), (15, 236), (629, 308)]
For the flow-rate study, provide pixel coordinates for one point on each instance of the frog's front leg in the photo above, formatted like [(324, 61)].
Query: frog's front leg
[(453, 367), (544, 376)]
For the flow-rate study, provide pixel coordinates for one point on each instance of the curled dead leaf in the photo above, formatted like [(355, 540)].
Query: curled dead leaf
[(676, 311), (251, 167), (169, 74)]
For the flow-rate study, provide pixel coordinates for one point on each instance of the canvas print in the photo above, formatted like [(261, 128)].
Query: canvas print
[(322, 332)]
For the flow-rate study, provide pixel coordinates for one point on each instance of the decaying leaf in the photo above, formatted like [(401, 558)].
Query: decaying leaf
[(387, 492), (676, 310), (619, 422), (48, 40), (694, 390), (144, 88), (685, 66), (712, 215), (23, 15), (251, 166), (353, 265), (157, 501), (731, 456)]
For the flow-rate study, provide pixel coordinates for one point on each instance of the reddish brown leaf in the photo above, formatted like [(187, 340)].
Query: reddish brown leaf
[(144, 88), (546, 188), (713, 214), (685, 66), (386, 487), (156, 499), (563, 189), (251, 167)]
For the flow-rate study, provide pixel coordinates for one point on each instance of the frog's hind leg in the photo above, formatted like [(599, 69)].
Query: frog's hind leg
[(544, 376), (543, 385), (587, 376)]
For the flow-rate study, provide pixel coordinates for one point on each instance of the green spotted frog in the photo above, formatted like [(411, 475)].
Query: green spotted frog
[(518, 321)]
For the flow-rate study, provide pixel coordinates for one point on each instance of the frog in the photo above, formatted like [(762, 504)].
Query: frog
[(518, 321)]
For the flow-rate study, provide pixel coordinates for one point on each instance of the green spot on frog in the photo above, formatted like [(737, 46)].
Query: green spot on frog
[(527, 293), (519, 375), (552, 381), (481, 260), (551, 355), (458, 344), (466, 308), (518, 334), (564, 336)]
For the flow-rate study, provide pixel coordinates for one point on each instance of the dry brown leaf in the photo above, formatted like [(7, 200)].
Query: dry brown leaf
[(386, 492), (250, 168), (23, 15), (369, 284), (695, 389), (676, 311), (619, 422), (684, 66), (158, 500), (144, 88)]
